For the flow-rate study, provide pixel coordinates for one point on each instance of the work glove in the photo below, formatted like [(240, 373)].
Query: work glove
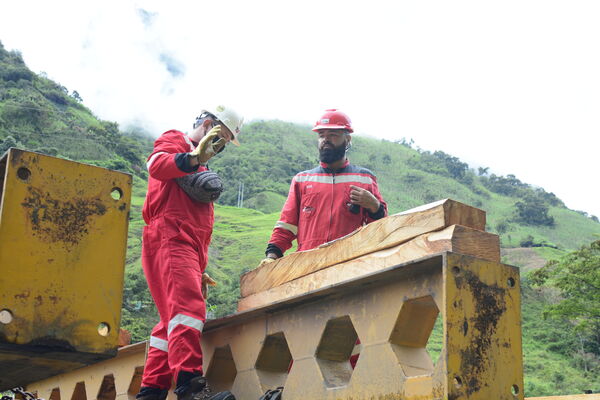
[(266, 261), (206, 282), (209, 146)]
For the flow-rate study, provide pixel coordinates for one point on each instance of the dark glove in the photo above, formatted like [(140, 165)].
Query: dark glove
[(203, 187)]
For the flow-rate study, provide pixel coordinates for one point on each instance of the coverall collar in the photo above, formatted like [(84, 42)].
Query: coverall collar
[(325, 166)]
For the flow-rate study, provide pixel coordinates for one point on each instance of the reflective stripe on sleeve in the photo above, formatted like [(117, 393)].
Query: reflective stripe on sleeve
[(189, 141), (350, 178), (151, 160), (314, 178), (158, 343), (289, 227), (186, 320), (353, 179)]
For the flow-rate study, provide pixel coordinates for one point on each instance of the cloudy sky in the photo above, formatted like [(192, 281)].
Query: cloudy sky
[(511, 85)]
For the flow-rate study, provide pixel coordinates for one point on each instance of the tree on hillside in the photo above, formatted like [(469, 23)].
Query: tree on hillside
[(577, 277), (531, 210), (76, 96), (441, 163), (7, 143), (509, 185)]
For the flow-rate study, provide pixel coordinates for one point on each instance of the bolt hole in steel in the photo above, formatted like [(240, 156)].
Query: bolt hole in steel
[(455, 270), (515, 390), (6, 317), (511, 282), (457, 382), (103, 329), (23, 173), (116, 193)]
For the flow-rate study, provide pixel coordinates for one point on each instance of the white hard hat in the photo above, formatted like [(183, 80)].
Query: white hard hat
[(231, 119)]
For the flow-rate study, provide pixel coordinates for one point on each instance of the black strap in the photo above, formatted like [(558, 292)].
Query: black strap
[(274, 394)]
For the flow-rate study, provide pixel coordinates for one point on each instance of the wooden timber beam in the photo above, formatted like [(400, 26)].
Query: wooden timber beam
[(455, 238), (379, 235)]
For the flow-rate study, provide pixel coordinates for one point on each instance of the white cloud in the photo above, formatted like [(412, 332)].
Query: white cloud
[(512, 85)]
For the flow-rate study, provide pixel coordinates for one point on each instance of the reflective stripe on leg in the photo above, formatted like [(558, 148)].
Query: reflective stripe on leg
[(186, 320), (158, 343)]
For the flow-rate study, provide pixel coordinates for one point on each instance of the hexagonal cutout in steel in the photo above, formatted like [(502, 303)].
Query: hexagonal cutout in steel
[(55, 394), (411, 334), (136, 382), (107, 389), (79, 392), (436, 340), (334, 351), (221, 371), (273, 363)]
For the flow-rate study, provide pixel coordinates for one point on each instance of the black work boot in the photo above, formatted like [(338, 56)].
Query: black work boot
[(197, 389), (148, 393)]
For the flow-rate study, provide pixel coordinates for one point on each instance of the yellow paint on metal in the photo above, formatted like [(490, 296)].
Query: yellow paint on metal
[(393, 313), (117, 378), (250, 352), (482, 329), (63, 235), (568, 397), (125, 371)]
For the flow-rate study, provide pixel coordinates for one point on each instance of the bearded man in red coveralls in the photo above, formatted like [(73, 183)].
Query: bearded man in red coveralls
[(329, 201), (175, 254)]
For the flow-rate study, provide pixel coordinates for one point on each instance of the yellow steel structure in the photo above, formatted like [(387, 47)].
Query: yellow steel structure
[(392, 311), (117, 378), (120, 379), (63, 235), (569, 397)]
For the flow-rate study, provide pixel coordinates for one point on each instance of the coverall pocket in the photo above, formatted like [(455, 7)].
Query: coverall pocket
[(162, 231), (151, 239), (188, 247), (184, 235), (308, 206)]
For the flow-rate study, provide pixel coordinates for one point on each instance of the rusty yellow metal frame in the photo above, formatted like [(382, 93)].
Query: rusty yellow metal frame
[(392, 312), (116, 378), (63, 235), (119, 378), (569, 397)]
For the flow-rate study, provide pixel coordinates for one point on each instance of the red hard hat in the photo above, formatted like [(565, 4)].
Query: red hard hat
[(333, 119)]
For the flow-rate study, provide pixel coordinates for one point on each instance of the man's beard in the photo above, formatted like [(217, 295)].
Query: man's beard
[(330, 155)]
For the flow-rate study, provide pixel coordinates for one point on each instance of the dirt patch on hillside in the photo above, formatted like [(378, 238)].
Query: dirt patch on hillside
[(523, 257)]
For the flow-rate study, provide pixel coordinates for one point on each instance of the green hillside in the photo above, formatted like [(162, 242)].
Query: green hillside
[(273, 151), (41, 115)]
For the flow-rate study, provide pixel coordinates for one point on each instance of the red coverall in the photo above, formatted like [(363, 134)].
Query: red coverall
[(317, 211), (174, 256)]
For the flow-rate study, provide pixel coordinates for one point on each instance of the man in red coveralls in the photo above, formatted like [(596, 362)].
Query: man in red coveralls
[(175, 253), (331, 200)]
